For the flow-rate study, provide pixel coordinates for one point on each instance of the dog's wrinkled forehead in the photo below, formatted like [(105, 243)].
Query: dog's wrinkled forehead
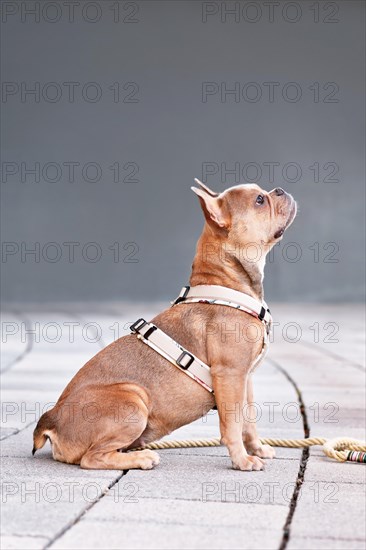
[(242, 196)]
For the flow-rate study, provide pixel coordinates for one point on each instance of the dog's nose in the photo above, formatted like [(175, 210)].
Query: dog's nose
[(279, 191)]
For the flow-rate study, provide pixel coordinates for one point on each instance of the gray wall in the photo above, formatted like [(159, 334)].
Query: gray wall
[(164, 126)]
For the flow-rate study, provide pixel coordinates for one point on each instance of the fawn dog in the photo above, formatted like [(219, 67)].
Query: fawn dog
[(137, 395)]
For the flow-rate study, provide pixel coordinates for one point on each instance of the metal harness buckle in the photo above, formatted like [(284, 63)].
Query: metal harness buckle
[(182, 295), (137, 325), (182, 357)]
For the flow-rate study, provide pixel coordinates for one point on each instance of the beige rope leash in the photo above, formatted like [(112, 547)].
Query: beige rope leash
[(341, 449)]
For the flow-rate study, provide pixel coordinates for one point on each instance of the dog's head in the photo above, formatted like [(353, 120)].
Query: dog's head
[(246, 214)]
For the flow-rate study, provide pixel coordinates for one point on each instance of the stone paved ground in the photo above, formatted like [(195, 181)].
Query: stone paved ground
[(193, 499)]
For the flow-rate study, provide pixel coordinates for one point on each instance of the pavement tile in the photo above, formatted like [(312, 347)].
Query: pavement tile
[(315, 543), (16, 542), (211, 478), (332, 431), (99, 535), (46, 467), (281, 452), (20, 444), (333, 510), (42, 519), (6, 432), (44, 506), (328, 470), (21, 407), (346, 397), (13, 345), (121, 507)]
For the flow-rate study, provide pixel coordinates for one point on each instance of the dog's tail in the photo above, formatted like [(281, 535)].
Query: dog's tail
[(42, 431)]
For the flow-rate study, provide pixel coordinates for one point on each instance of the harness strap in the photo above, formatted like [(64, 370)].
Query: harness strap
[(181, 358), (173, 352), (217, 294)]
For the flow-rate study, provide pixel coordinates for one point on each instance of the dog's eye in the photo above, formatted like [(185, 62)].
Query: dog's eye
[(260, 199)]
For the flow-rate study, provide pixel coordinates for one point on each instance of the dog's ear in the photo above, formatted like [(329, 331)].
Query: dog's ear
[(213, 208), (205, 188)]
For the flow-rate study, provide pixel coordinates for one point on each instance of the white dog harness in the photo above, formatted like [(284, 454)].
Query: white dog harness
[(181, 358)]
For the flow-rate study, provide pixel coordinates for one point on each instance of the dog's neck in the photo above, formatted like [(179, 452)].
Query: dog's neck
[(216, 264)]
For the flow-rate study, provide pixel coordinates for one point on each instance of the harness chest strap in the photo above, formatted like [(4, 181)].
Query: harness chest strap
[(182, 358), (221, 295), (173, 352)]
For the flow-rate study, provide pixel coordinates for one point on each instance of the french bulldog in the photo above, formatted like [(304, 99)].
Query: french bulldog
[(128, 395)]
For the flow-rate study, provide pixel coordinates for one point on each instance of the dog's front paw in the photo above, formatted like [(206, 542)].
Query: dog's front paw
[(248, 463), (147, 460), (262, 451)]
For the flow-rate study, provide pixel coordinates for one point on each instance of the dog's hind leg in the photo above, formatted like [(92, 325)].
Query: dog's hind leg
[(114, 460), (106, 454), (115, 434)]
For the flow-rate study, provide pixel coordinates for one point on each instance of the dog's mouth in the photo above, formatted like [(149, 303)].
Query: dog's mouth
[(290, 219)]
